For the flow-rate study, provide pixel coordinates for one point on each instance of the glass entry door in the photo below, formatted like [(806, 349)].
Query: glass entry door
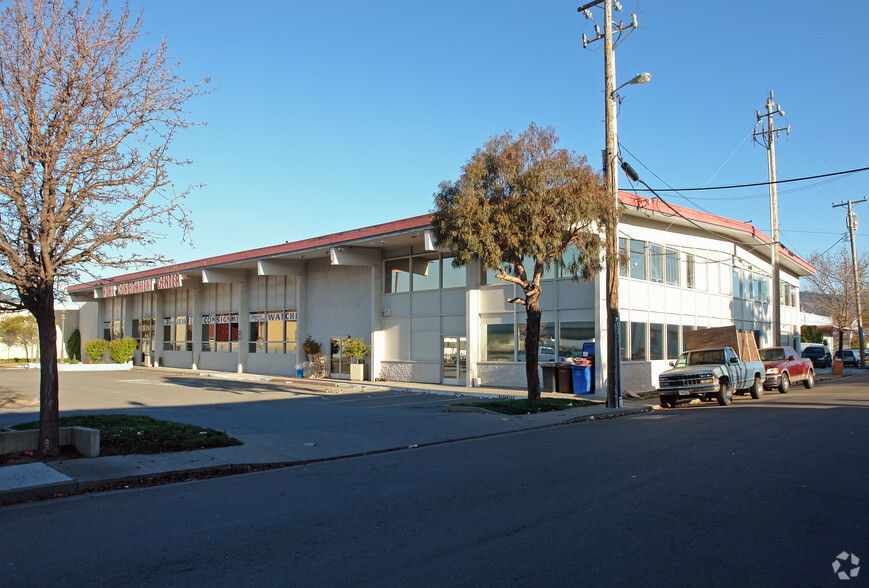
[(455, 360), (339, 365)]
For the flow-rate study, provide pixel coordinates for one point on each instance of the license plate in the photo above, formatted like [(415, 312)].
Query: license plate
[(684, 392)]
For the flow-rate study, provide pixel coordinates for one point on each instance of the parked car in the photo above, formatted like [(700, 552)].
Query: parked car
[(848, 357), (819, 355), (711, 373), (784, 367)]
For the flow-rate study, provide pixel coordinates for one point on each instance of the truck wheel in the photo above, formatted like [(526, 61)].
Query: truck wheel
[(725, 397), (809, 382), (757, 388), (666, 402), (785, 383)]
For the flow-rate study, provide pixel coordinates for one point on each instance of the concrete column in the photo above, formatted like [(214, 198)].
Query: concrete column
[(243, 323), (377, 339), (196, 317), (472, 321), (600, 319), (302, 324)]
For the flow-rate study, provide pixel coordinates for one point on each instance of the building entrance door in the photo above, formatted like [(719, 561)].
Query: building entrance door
[(455, 360), (339, 365)]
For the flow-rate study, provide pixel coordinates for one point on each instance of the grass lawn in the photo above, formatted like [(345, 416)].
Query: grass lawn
[(126, 434), (519, 406)]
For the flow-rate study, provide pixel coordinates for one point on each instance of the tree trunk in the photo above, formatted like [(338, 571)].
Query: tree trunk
[(532, 344), (49, 431)]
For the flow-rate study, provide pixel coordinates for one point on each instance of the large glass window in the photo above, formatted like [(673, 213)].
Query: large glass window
[(453, 277), (396, 275), (672, 267), (426, 270), (638, 259), (656, 263), (737, 283), (623, 243), (700, 275), (689, 270), (656, 341), (672, 341), (113, 330), (623, 340), (572, 335), (500, 342), (177, 333), (273, 331), (546, 345), (638, 341)]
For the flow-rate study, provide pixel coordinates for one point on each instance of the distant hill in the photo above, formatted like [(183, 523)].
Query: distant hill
[(811, 302)]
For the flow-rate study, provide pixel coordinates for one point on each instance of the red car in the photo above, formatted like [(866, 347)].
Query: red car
[(784, 366)]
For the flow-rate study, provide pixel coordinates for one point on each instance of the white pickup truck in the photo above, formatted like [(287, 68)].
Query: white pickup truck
[(709, 373)]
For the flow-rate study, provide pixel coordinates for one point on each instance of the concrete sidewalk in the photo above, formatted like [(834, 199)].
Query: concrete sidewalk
[(407, 416)]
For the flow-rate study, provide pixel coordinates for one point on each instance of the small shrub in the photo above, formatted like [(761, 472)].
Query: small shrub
[(96, 349), (356, 349), (73, 346), (311, 348), (122, 350)]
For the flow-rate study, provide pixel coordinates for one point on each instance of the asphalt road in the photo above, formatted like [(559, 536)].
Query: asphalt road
[(761, 493)]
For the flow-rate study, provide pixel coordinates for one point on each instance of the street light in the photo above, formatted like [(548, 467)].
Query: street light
[(640, 78)]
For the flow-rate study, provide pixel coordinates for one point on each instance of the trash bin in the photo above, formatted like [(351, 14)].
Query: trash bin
[(549, 383), (565, 379), (581, 379)]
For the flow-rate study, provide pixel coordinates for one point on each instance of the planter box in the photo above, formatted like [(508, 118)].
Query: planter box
[(357, 372)]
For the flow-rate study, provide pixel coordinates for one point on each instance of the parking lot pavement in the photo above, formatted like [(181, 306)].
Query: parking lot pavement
[(280, 422)]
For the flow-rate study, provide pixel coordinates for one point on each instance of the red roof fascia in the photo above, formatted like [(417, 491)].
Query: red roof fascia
[(416, 222), (657, 205)]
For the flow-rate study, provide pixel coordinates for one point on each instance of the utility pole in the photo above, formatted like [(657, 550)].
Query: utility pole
[(768, 140), (613, 359), (851, 221)]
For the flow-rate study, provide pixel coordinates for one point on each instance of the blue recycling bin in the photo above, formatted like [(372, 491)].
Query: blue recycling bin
[(581, 379)]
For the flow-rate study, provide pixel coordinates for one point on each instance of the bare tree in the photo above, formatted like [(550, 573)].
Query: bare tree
[(87, 120), (834, 282)]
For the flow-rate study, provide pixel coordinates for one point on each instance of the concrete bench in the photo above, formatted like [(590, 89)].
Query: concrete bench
[(86, 441)]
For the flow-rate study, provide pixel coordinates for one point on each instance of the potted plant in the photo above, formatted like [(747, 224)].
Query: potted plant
[(356, 349), (311, 348)]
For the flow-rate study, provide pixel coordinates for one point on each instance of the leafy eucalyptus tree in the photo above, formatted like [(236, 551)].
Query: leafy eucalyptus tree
[(520, 206)]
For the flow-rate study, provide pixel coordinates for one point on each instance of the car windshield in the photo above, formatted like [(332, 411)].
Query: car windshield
[(704, 357), (813, 351), (774, 354)]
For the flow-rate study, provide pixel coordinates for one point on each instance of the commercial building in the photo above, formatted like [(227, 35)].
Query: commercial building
[(430, 322)]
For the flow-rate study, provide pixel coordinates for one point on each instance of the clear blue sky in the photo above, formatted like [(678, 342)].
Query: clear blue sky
[(336, 115)]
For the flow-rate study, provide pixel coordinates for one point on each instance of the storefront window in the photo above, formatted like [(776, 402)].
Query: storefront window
[(545, 346), (656, 341), (638, 341), (571, 336), (273, 331), (177, 333), (113, 330), (500, 342), (220, 332), (672, 341)]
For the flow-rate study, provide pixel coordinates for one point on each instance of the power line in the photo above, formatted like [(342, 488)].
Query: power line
[(801, 179)]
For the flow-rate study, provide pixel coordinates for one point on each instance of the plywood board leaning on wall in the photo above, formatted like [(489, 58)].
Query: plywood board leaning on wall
[(742, 342)]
